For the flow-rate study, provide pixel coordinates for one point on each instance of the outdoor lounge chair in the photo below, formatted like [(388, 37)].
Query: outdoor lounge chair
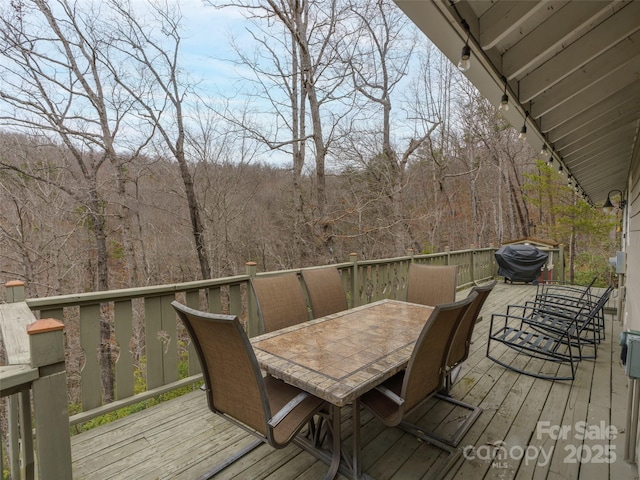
[(547, 335), (431, 284), (583, 320), (397, 397), (570, 298), (562, 289), (281, 301), (266, 407), (324, 288), (458, 353)]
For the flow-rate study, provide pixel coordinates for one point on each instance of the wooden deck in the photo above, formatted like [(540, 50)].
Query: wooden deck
[(181, 439)]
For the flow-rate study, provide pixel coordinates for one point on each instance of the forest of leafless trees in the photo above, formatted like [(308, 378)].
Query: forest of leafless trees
[(346, 132)]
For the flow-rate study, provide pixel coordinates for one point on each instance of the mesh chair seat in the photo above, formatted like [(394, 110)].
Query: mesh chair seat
[(432, 284), (266, 407), (279, 394), (281, 301), (462, 340), (324, 288), (397, 397), (458, 353)]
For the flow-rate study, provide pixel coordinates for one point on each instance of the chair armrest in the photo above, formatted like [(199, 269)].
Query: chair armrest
[(387, 392), (286, 410)]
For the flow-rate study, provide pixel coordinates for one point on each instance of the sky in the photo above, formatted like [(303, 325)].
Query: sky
[(205, 41)]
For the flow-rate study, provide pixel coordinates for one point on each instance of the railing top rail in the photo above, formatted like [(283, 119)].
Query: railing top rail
[(130, 293), (157, 290), (14, 378)]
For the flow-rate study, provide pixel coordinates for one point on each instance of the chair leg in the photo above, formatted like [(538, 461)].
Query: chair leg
[(452, 458), (457, 436), (228, 461)]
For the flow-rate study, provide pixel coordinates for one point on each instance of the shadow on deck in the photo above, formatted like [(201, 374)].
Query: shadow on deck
[(529, 428)]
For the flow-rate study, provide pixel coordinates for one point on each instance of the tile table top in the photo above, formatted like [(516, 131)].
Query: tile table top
[(341, 356)]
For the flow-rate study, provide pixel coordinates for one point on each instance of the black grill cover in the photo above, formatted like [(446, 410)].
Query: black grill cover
[(520, 263)]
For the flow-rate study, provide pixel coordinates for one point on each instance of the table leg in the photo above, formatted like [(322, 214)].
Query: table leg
[(338, 459), (336, 434), (356, 439)]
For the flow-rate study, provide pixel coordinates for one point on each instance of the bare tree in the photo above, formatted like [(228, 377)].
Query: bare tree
[(150, 74), (54, 85), (295, 77), (378, 55)]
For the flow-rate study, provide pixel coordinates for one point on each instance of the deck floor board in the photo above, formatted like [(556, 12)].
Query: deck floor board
[(181, 439)]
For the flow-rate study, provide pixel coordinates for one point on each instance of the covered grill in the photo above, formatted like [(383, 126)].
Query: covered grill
[(520, 263)]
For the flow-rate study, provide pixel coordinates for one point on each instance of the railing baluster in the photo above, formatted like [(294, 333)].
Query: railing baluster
[(91, 374), (123, 324), (152, 342), (14, 435), (170, 341), (193, 301), (215, 300), (235, 300), (26, 432)]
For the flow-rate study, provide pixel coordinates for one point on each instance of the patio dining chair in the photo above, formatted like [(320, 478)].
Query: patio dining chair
[(324, 288), (458, 353), (281, 301), (392, 401), (266, 407), (431, 284)]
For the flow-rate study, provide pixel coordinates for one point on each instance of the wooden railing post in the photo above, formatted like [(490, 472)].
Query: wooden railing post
[(353, 258), (561, 274), (21, 463), (473, 263), (51, 413), (253, 322), (15, 291)]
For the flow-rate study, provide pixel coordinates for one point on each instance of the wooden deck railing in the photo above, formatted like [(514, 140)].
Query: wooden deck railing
[(145, 318)]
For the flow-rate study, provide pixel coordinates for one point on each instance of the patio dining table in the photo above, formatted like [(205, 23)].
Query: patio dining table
[(341, 356)]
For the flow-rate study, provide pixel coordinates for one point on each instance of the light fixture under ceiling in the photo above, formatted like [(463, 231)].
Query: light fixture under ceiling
[(523, 130), (504, 101), (465, 57), (609, 207), (544, 152)]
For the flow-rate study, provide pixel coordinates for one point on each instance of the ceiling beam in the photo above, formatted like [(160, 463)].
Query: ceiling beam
[(549, 37), (610, 32)]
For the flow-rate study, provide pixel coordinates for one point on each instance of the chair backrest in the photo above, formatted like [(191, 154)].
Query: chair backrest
[(462, 339), (324, 288), (432, 284), (426, 368), (232, 376), (590, 312), (569, 290), (281, 301)]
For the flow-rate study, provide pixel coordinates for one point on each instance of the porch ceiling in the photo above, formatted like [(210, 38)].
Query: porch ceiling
[(573, 65)]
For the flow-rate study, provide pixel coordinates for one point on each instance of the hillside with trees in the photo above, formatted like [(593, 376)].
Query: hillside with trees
[(347, 132)]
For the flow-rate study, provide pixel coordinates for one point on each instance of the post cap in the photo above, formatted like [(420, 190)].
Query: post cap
[(45, 325)]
